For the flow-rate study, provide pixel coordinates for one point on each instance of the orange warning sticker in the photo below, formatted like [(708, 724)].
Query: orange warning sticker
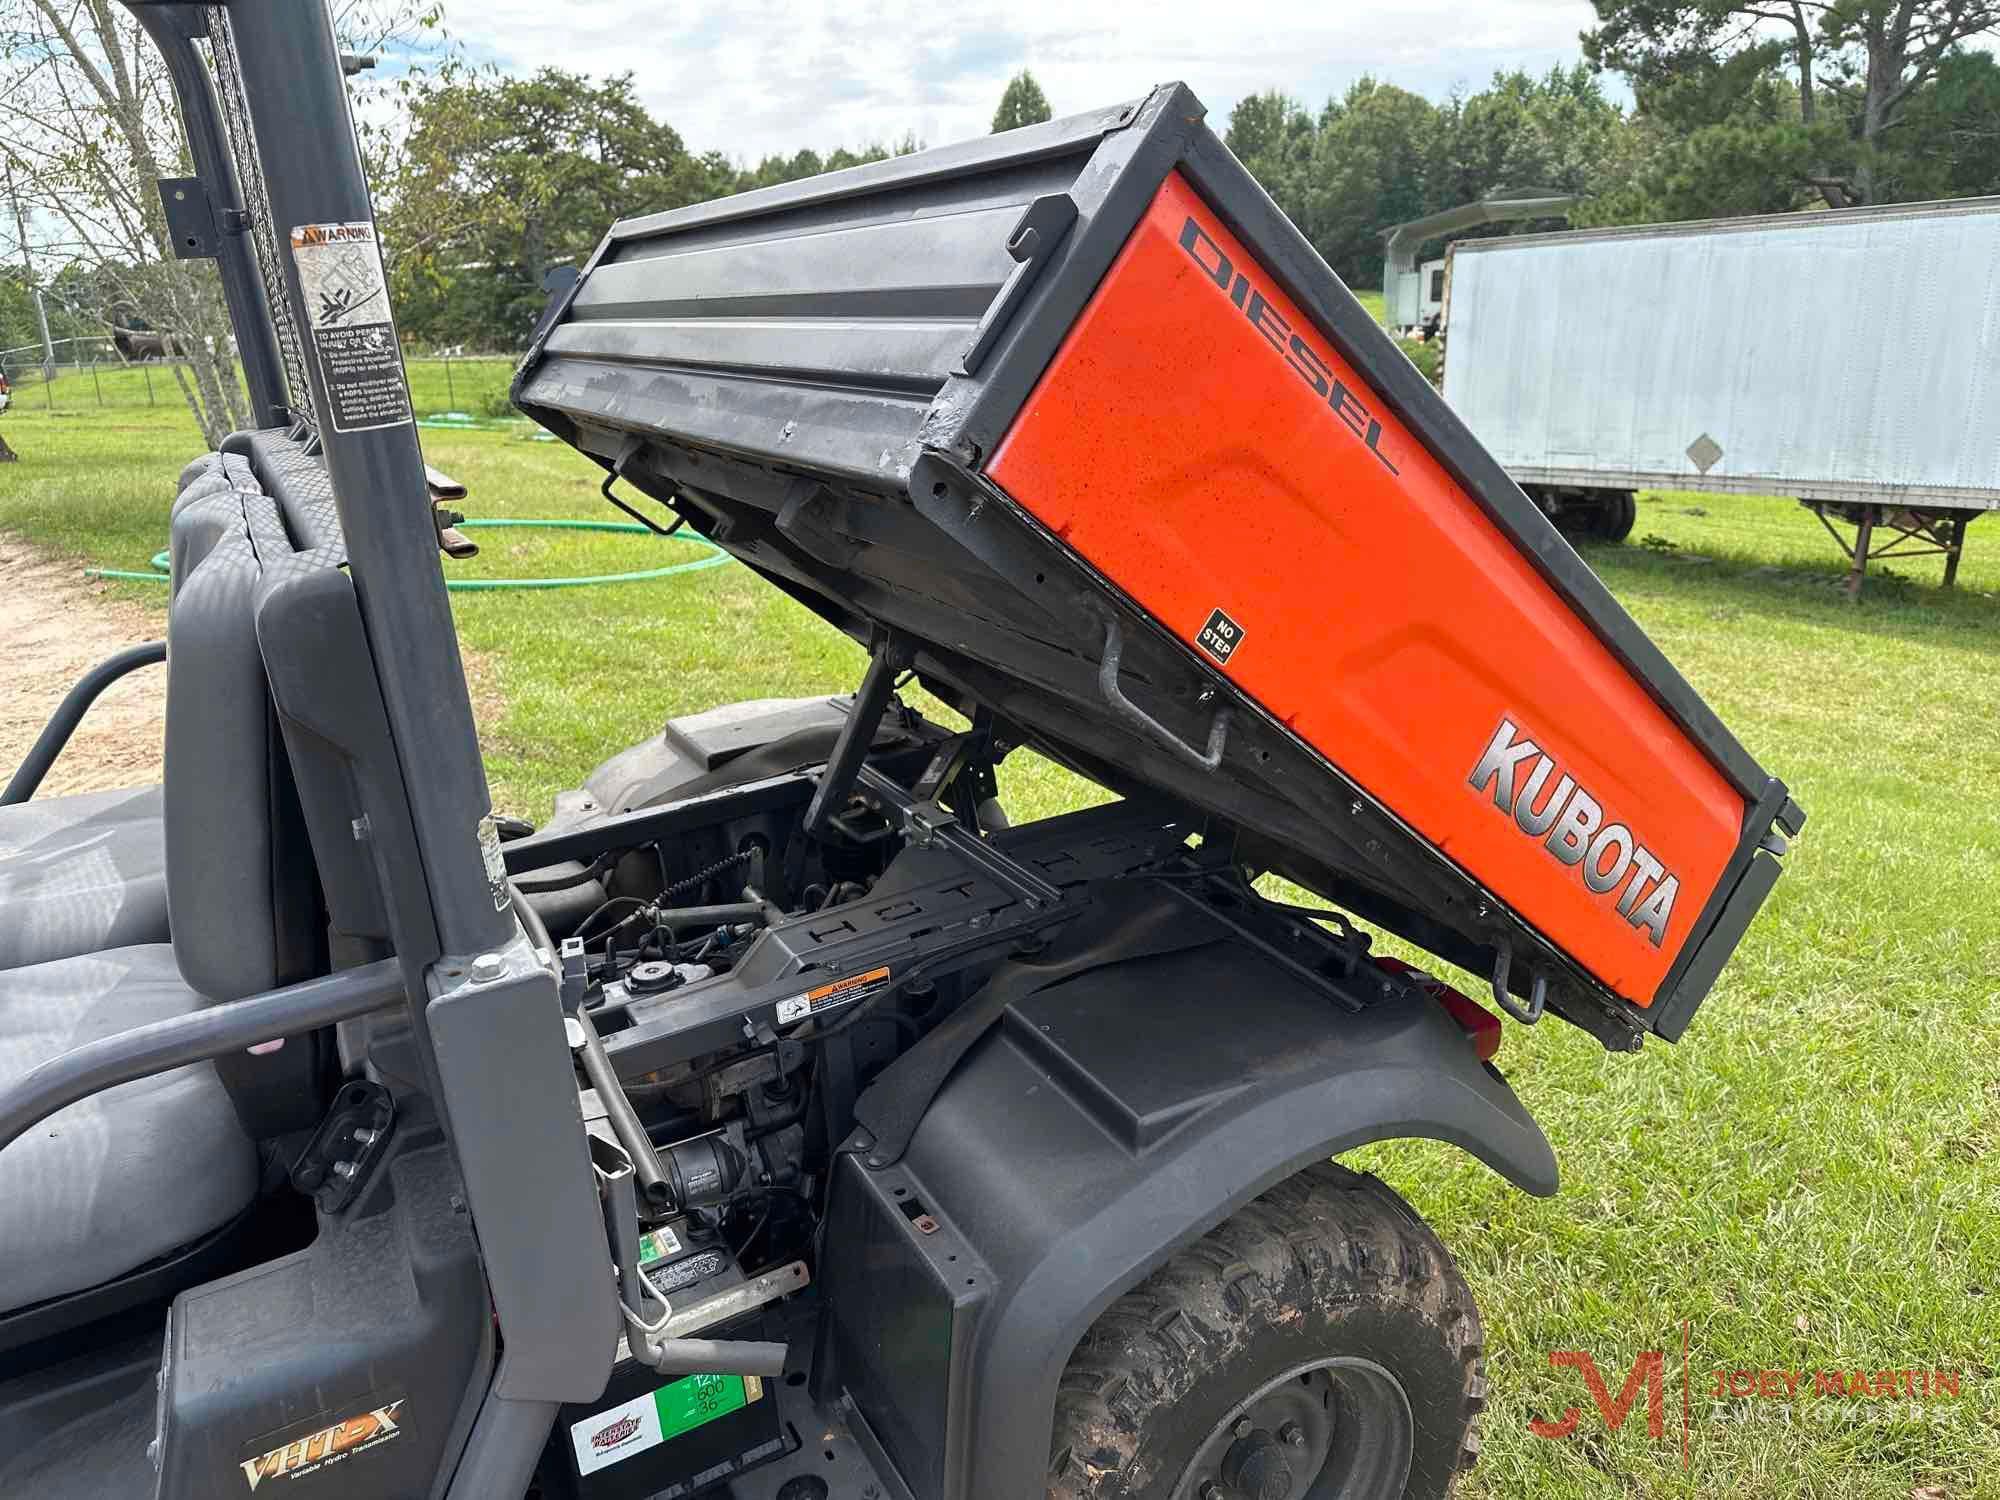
[(832, 996)]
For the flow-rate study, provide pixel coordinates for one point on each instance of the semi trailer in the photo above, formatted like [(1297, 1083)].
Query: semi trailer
[(1849, 359), (784, 1116)]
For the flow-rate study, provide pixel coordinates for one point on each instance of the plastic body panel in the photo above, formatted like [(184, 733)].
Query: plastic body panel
[(851, 462), (1201, 444), (950, 1343), (385, 1312), (1601, 356)]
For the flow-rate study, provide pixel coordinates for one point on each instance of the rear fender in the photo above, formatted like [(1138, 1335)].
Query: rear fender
[(1102, 1122)]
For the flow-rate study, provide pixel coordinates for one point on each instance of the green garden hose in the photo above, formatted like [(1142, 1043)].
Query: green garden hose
[(714, 558)]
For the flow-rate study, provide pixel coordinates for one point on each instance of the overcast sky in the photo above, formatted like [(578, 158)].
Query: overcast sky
[(774, 75)]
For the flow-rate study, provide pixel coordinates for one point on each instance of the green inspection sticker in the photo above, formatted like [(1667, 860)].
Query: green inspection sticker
[(606, 1437)]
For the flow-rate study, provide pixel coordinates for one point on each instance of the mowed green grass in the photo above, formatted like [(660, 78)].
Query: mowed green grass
[(1810, 1180)]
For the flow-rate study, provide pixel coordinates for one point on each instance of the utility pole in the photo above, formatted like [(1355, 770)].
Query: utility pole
[(48, 347), (8, 455), (28, 269)]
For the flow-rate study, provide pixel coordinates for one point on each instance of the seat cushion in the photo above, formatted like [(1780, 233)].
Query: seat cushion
[(80, 874), (123, 1177)]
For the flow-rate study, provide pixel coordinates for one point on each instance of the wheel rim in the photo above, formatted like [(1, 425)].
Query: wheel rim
[(1332, 1429)]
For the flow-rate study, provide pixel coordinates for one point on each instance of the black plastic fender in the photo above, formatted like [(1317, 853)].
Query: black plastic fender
[(1100, 1121)]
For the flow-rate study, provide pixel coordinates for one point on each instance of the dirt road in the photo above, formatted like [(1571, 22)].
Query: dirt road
[(55, 624)]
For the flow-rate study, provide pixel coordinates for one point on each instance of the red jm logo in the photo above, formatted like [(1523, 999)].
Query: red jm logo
[(1648, 1370)]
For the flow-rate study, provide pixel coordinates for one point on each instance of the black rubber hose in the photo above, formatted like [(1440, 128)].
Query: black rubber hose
[(550, 884), (531, 920), (678, 917)]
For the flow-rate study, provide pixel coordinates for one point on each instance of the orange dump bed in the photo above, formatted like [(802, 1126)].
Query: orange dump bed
[(1206, 448), (1073, 418)]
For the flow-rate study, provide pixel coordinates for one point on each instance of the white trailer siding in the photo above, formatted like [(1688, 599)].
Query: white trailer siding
[(1830, 356)]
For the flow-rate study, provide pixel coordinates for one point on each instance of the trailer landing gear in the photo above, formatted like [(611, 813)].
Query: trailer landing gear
[(1319, 1344), (1912, 533)]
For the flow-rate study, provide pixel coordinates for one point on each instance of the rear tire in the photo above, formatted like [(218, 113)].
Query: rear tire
[(1312, 1338), (1620, 511)]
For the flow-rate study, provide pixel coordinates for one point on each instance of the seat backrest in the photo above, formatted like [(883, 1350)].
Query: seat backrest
[(328, 700), (242, 902), (207, 506)]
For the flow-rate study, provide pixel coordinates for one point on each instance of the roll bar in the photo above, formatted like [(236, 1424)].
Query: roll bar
[(215, 1031), (69, 713), (490, 1041)]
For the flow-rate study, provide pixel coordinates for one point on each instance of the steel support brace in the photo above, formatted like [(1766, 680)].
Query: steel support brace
[(298, 105), (1913, 532), (1957, 548), (1864, 532)]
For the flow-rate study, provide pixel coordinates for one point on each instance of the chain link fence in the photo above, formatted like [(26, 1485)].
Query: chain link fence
[(471, 385), (103, 373)]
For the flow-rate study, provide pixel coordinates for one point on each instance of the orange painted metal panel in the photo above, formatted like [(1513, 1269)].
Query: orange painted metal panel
[(1200, 444)]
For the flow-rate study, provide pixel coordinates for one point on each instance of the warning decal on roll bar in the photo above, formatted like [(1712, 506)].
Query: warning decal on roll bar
[(349, 327), (832, 996)]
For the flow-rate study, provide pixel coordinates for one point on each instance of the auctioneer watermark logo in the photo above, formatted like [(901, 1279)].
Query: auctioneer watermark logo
[(1655, 1387)]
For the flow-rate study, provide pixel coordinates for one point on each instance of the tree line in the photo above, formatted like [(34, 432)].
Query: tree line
[(485, 183), (1766, 107), (499, 180)]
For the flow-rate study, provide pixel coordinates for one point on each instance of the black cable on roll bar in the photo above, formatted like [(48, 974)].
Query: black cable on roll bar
[(69, 713), (213, 1031)]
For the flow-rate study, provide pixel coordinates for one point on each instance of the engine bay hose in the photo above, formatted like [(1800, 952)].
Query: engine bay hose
[(714, 557)]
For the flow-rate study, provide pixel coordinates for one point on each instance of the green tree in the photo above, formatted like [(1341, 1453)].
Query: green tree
[(91, 125), (1949, 143), (1380, 155), (808, 163), (1272, 135), (1856, 70), (502, 179), (1021, 103), (1556, 131), (1367, 173)]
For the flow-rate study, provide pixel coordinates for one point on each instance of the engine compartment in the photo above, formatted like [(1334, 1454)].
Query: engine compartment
[(747, 979), (786, 1014), (750, 979)]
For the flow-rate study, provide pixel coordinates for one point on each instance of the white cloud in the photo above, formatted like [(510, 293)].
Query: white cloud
[(765, 76)]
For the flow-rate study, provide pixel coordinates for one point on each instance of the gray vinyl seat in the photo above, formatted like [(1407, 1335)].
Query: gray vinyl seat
[(124, 1176), (82, 873), (133, 1174)]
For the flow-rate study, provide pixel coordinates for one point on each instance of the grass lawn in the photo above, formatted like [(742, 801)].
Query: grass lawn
[(1811, 1180)]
